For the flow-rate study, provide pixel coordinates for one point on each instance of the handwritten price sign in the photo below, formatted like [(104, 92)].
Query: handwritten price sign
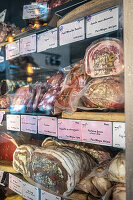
[(30, 192), (13, 122), (15, 184), (119, 135), (29, 124)]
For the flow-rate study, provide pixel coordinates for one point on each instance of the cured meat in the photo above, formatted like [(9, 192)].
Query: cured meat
[(7, 147), (119, 192), (98, 152), (22, 159), (105, 92), (40, 90), (117, 169), (56, 80), (72, 86), (104, 58), (60, 168), (56, 3), (23, 99), (5, 101)]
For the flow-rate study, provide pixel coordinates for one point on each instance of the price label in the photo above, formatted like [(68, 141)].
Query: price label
[(29, 124), (103, 22), (119, 135), (48, 196), (12, 50), (1, 176), (72, 32), (47, 125), (1, 116), (30, 192), (69, 129), (28, 44), (13, 122), (47, 40), (97, 132), (15, 184)]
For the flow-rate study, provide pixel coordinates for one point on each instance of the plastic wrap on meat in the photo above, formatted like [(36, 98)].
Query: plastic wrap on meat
[(23, 99), (104, 58), (55, 81), (105, 92), (60, 168)]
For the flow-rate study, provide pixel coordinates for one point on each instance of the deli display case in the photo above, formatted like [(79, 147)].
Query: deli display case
[(65, 101)]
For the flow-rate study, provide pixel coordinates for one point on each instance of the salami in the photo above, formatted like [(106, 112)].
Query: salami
[(107, 92), (60, 168), (104, 58)]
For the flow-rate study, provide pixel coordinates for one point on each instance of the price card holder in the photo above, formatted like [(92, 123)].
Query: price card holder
[(72, 32), (47, 125), (29, 124), (47, 40), (48, 196), (102, 22), (13, 122), (119, 135), (28, 44), (12, 50), (30, 192), (15, 184), (69, 129), (97, 132), (1, 116)]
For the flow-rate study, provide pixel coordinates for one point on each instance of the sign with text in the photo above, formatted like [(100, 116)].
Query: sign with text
[(28, 44), (72, 32), (47, 125), (47, 40), (15, 184), (13, 122), (48, 196), (12, 50), (97, 132), (103, 22), (29, 124), (30, 192), (69, 129), (119, 135)]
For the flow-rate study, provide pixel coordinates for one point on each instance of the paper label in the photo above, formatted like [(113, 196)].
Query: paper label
[(1, 116), (47, 40), (13, 122), (28, 44), (97, 132), (47, 125), (119, 135), (69, 129), (1, 175), (30, 192), (3, 15), (29, 124), (15, 184), (48, 196), (103, 22), (12, 50), (35, 10), (72, 32)]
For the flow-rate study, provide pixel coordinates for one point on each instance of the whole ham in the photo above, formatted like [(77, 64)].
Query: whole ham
[(60, 168), (107, 92), (104, 58), (119, 192)]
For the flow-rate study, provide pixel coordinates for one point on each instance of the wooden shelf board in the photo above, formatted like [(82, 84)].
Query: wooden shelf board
[(6, 166), (96, 116)]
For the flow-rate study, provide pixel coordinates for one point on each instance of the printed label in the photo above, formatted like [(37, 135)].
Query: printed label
[(28, 44), (103, 22), (29, 124), (47, 125), (48, 196), (119, 135), (69, 129), (97, 132), (15, 184), (13, 122), (72, 32), (30, 192), (47, 40), (12, 50)]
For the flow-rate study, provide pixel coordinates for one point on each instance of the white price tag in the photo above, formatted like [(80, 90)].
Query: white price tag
[(72, 32), (15, 184), (12, 50), (48, 196), (30, 192), (1, 176), (119, 135), (3, 15), (103, 22), (29, 124), (28, 44), (13, 122), (47, 40)]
